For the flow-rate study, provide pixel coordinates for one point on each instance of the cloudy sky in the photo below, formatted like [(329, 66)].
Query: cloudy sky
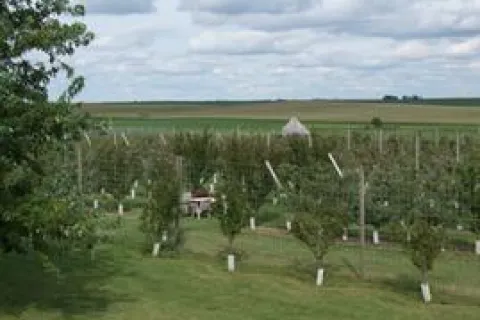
[(245, 49)]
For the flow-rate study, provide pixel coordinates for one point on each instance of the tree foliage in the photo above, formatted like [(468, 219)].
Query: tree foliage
[(34, 45), (317, 224), (161, 214), (201, 152), (319, 201), (231, 209), (425, 245)]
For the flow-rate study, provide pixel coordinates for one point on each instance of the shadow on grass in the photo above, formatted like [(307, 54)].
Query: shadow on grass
[(351, 267), (403, 283), (408, 285), (78, 288)]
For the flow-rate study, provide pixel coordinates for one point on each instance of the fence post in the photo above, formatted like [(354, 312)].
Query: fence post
[(349, 138), (417, 152), (380, 141), (78, 148), (458, 147), (179, 169), (362, 191)]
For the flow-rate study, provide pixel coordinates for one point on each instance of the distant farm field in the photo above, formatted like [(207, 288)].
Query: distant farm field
[(307, 110), (267, 115)]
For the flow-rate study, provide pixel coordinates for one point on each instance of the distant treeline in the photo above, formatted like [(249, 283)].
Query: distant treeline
[(188, 102), (467, 102), (413, 99)]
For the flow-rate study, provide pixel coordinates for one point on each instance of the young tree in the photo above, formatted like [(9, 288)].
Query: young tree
[(469, 176), (427, 232), (115, 164), (231, 208), (30, 124), (319, 200), (201, 151), (160, 215), (243, 159)]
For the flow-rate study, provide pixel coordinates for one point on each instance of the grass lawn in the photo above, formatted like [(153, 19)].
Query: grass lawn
[(274, 282)]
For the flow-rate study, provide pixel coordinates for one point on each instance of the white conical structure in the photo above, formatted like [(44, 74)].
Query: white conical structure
[(295, 128)]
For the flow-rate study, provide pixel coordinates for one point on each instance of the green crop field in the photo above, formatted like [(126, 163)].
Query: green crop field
[(267, 116), (272, 283)]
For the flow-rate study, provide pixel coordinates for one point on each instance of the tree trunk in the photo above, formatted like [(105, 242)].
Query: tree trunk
[(230, 244)]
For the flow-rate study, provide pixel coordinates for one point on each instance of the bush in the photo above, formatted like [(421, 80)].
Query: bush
[(376, 122)]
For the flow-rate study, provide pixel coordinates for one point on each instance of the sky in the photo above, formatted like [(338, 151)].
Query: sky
[(279, 49)]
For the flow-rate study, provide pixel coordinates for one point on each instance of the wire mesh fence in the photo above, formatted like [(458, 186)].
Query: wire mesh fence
[(387, 179)]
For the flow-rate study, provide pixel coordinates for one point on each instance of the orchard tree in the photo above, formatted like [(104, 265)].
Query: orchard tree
[(427, 232), (317, 225), (160, 216), (469, 176), (320, 210), (231, 208), (34, 44), (243, 159), (201, 152)]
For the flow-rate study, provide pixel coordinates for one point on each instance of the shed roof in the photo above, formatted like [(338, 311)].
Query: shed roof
[(295, 128)]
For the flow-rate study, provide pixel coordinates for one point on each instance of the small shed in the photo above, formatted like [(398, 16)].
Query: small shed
[(295, 128)]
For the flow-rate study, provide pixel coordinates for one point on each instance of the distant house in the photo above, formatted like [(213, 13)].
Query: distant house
[(295, 128)]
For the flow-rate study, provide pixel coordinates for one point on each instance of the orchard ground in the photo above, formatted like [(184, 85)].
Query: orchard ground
[(275, 281)]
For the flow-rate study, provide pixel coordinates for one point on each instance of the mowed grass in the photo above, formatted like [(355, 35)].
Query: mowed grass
[(318, 111), (275, 282)]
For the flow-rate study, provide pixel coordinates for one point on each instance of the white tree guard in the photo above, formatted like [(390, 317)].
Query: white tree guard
[(376, 237), (231, 263), (252, 223), (427, 296), (120, 209), (320, 273), (289, 225), (156, 249)]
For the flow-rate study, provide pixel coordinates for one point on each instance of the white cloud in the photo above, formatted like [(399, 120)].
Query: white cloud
[(231, 49), (467, 47), (249, 42), (119, 7), (232, 7), (396, 18), (413, 50)]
